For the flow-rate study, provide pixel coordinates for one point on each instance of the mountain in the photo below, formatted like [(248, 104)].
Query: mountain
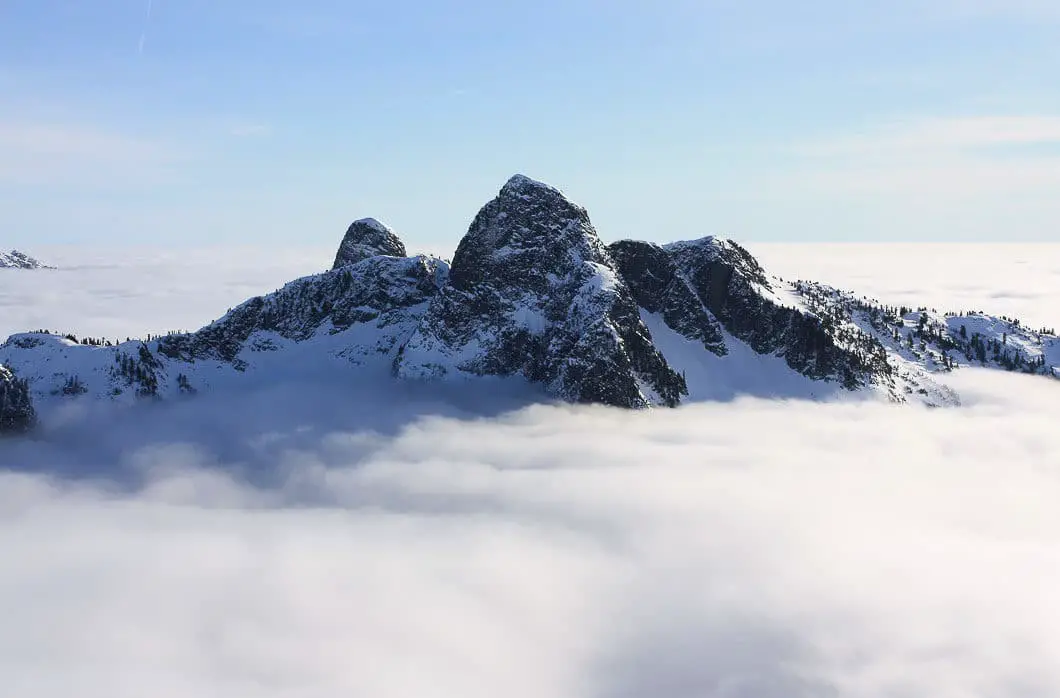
[(19, 260), (534, 294)]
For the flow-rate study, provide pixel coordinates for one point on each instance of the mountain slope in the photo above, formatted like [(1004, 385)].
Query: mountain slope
[(356, 315)]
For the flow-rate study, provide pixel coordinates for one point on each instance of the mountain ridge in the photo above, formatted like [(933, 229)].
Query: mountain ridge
[(533, 292)]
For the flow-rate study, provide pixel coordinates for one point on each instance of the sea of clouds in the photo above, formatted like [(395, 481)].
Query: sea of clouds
[(357, 539)]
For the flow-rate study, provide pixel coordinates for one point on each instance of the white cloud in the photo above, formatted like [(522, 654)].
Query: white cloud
[(1017, 280), (135, 290), (858, 551), (340, 539)]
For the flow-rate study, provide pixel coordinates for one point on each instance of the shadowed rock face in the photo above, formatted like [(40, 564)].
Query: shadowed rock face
[(521, 237), (534, 292), (659, 287), (367, 238), (735, 289), (17, 415)]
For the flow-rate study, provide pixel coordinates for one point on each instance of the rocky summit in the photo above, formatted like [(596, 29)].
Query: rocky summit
[(367, 238), (534, 294)]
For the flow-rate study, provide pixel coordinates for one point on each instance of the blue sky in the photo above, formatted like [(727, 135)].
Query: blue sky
[(275, 122)]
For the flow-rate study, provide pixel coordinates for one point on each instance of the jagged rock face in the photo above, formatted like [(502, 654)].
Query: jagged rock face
[(659, 287), (17, 414), (529, 231), (533, 292), (367, 238), (379, 290), (733, 286)]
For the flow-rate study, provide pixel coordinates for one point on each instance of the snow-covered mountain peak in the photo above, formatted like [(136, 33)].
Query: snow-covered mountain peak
[(534, 292), (373, 223), (20, 260), (366, 238), (529, 233), (519, 185)]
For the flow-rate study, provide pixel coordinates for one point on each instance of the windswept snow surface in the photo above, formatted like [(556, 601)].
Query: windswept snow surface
[(330, 534)]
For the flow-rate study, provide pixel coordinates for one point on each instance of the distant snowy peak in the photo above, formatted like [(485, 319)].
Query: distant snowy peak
[(20, 260), (367, 238)]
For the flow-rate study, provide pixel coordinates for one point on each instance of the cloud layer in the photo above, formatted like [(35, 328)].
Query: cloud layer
[(1018, 280), (749, 549), (132, 291), (341, 539)]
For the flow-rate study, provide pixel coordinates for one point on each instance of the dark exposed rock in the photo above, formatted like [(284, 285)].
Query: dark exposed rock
[(367, 238), (659, 287), (734, 287), (17, 414), (533, 292)]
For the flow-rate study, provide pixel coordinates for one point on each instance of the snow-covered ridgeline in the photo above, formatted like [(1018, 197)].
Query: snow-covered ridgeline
[(534, 293)]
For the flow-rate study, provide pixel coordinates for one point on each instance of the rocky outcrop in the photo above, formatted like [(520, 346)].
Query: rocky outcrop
[(533, 292), (733, 286), (658, 286), (367, 238), (383, 292), (17, 415)]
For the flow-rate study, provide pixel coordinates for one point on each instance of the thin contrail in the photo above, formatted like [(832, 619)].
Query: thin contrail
[(143, 34)]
